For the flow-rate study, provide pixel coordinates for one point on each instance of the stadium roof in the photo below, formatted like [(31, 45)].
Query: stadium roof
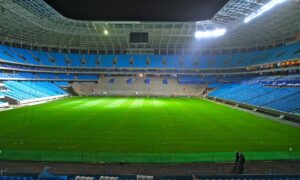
[(36, 23)]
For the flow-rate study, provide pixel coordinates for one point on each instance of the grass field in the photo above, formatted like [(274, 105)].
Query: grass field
[(147, 130)]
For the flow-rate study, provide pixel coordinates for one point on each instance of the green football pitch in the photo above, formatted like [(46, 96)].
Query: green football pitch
[(142, 130)]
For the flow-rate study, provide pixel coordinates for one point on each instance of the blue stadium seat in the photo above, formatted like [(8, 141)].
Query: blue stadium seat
[(165, 81), (87, 77), (35, 57), (26, 90), (129, 81), (147, 81), (279, 98)]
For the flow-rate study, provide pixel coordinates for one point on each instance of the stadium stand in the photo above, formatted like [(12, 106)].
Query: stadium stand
[(138, 86), (62, 84), (66, 76), (3, 104), (176, 74), (26, 92), (16, 178), (47, 76), (165, 81), (4, 76), (268, 91), (275, 97), (142, 177), (188, 79), (234, 87), (32, 57), (88, 77), (129, 81), (288, 103)]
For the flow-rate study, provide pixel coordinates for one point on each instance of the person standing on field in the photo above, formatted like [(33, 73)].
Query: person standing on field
[(237, 162), (241, 163)]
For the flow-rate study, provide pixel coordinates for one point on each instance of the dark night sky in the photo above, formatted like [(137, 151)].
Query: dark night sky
[(138, 10)]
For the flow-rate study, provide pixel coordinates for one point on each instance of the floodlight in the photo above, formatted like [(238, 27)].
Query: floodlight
[(105, 32), (209, 34), (263, 9)]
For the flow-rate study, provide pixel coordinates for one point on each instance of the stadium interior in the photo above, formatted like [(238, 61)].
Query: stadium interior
[(146, 96)]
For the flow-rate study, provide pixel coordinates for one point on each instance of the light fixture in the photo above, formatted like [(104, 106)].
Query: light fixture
[(263, 9), (105, 32), (209, 34)]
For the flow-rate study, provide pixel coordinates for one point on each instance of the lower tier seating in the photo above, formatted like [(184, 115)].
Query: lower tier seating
[(284, 99), (138, 177), (3, 104), (28, 91), (16, 178)]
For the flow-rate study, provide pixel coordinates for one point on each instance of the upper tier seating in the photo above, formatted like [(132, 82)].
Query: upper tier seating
[(34, 57)]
